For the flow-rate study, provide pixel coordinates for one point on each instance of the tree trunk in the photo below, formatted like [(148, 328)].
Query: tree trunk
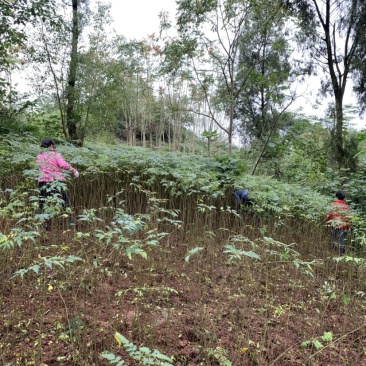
[(70, 109), (338, 136), (230, 130)]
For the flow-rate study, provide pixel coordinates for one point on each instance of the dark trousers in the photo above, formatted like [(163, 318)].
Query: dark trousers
[(337, 237), (49, 189)]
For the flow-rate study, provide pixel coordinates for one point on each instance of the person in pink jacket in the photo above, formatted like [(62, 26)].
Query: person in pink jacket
[(51, 166)]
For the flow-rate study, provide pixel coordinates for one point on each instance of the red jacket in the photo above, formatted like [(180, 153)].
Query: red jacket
[(339, 216)]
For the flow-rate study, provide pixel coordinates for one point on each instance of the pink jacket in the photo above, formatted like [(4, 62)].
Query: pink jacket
[(50, 165)]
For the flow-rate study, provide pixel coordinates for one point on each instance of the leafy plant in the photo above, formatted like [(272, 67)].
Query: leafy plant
[(220, 354), (123, 231), (193, 252), (316, 342), (235, 253), (143, 355), (48, 262), (73, 330), (16, 237)]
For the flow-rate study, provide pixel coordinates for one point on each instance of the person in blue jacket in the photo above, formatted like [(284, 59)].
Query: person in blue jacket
[(245, 205), (242, 198)]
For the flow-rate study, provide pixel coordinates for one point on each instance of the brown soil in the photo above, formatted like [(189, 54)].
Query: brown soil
[(258, 312)]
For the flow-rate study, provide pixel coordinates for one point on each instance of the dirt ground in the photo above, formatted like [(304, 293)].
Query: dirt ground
[(207, 311)]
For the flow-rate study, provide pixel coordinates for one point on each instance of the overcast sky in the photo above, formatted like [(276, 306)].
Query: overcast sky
[(136, 18)]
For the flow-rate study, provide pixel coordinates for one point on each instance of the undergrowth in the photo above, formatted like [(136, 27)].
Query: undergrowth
[(157, 268)]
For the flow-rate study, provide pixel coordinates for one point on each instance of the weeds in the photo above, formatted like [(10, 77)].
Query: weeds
[(172, 267), (144, 355)]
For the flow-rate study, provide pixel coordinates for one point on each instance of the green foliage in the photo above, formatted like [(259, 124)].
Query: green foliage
[(16, 14), (193, 12), (73, 330), (15, 113), (113, 359), (108, 238), (16, 237), (143, 355), (219, 354), (122, 234), (179, 174), (265, 68), (48, 262), (238, 254), (347, 258), (193, 252), (301, 155), (316, 342), (267, 250), (282, 200)]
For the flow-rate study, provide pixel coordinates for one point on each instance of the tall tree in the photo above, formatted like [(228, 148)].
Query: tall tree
[(268, 92), (359, 68), (94, 66), (16, 16), (80, 13), (54, 54), (331, 33), (264, 49), (74, 60), (209, 33)]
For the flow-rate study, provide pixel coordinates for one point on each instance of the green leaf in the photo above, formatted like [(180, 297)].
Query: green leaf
[(327, 337), (35, 268), (161, 356), (20, 273), (346, 299), (192, 252), (305, 343), (145, 350), (251, 254), (317, 344), (121, 339), (108, 356)]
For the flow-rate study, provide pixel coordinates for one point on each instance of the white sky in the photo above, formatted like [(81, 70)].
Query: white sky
[(135, 19)]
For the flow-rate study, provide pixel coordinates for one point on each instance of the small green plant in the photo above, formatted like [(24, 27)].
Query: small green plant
[(286, 253), (316, 342), (123, 231), (48, 262), (347, 258), (220, 355), (16, 237), (143, 355), (201, 207), (89, 216), (235, 253), (192, 252), (329, 290), (73, 330)]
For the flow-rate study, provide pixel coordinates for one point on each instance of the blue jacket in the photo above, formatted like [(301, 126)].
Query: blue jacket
[(241, 196)]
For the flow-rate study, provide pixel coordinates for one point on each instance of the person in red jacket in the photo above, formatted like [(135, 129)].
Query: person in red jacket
[(339, 218)]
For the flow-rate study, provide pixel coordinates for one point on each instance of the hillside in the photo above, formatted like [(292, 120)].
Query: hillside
[(158, 257)]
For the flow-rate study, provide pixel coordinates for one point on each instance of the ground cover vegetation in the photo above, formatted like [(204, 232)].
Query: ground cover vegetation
[(154, 263), (159, 268)]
